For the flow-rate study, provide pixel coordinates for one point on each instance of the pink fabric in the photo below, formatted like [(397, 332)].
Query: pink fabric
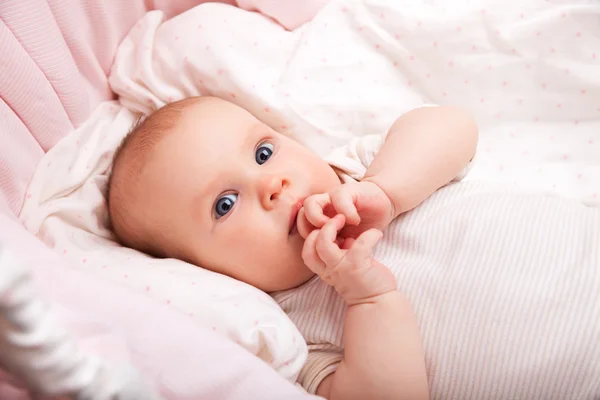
[(289, 13)]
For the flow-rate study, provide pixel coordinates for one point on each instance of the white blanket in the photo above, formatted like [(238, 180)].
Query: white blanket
[(528, 71)]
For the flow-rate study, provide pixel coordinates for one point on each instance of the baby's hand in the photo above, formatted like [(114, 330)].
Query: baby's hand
[(364, 204), (349, 268)]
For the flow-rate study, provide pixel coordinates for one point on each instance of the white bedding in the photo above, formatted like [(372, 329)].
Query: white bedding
[(527, 71)]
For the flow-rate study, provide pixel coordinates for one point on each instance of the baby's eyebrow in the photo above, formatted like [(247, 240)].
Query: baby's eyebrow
[(253, 131)]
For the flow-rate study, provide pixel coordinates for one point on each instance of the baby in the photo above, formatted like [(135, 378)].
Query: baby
[(446, 305)]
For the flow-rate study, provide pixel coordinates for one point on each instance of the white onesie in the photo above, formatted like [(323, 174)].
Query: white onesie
[(505, 286)]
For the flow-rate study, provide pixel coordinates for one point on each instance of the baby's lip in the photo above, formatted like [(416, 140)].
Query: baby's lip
[(294, 213)]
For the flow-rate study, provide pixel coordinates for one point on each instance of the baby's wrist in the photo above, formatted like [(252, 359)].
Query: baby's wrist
[(373, 180)]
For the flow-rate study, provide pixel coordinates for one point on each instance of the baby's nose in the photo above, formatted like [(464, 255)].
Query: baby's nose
[(272, 188)]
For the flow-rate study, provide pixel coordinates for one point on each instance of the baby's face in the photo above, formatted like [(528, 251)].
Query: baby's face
[(228, 189)]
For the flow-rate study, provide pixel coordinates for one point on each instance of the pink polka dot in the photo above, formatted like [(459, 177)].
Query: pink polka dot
[(214, 328), (104, 266), (372, 115), (395, 65), (576, 122), (504, 83), (397, 37), (594, 195), (521, 15), (320, 132), (411, 58), (566, 71), (125, 276), (233, 95), (283, 126), (324, 59), (168, 301), (444, 94), (147, 288), (236, 305), (191, 314), (409, 83), (564, 14), (193, 283), (65, 251), (538, 33), (590, 141), (170, 98), (594, 56), (552, 50), (473, 47), (537, 119), (199, 26), (578, 34), (579, 176), (267, 109), (559, 105), (149, 101), (255, 322), (434, 44), (544, 85), (84, 260), (528, 66), (583, 91), (489, 67), (565, 156), (459, 28), (339, 114), (450, 63), (481, 100), (377, 46), (340, 80), (466, 81), (207, 48), (28, 195), (176, 38)]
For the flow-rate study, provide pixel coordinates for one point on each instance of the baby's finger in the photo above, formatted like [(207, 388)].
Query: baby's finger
[(347, 243), (343, 202), (313, 208), (326, 246), (363, 245), (304, 227), (309, 254)]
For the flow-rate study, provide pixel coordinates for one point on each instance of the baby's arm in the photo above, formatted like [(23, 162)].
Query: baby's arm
[(383, 356), (424, 150)]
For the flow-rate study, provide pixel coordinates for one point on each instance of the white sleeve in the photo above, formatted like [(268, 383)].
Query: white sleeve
[(352, 160)]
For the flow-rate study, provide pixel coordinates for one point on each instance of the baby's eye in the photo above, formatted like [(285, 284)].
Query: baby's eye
[(225, 204), (263, 153)]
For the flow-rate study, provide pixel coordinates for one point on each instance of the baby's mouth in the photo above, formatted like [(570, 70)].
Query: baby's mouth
[(293, 229)]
